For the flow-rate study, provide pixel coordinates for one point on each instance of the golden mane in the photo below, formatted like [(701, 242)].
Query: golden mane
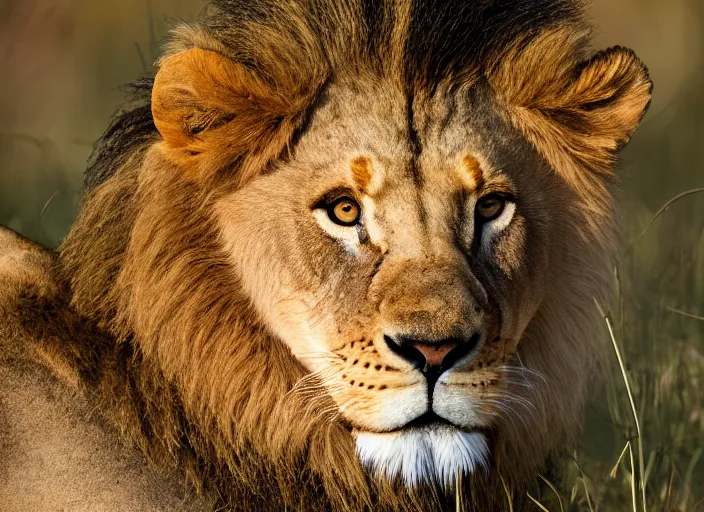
[(169, 346)]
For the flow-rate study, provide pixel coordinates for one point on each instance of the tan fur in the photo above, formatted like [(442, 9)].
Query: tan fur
[(362, 172), (470, 174), (577, 112), (21, 264), (211, 113), (56, 453), (220, 323)]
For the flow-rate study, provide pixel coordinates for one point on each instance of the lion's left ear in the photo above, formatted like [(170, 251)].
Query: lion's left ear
[(573, 110), (213, 113)]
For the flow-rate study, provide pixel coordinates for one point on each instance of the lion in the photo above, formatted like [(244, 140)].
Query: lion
[(336, 255)]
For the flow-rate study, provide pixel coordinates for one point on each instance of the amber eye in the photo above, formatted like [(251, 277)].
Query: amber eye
[(344, 211), (489, 207)]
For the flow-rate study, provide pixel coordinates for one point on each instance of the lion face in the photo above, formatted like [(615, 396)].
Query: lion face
[(425, 246), (401, 269)]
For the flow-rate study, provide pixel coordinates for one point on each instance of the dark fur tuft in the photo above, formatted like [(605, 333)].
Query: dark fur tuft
[(129, 130)]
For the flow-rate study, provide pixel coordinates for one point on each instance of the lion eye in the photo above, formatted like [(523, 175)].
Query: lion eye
[(344, 211), (490, 207)]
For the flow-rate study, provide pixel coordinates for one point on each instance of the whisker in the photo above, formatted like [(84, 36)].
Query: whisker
[(513, 398), (509, 415), (521, 367)]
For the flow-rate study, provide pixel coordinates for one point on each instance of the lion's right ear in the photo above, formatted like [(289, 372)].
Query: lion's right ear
[(574, 110), (213, 114)]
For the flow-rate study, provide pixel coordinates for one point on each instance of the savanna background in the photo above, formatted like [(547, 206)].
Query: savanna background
[(62, 63)]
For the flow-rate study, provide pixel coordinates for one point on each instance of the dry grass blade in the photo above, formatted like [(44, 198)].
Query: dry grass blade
[(586, 493), (554, 489), (667, 502), (629, 392), (509, 495), (664, 208), (633, 478), (627, 383), (614, 471), (458, 492), (540, 505), (583, 479), (47, 204), (684, 313)]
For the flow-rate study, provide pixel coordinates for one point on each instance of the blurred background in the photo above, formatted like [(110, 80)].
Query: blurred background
[(62, 63)]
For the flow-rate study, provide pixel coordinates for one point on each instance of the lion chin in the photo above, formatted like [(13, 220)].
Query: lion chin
[(434, 453)]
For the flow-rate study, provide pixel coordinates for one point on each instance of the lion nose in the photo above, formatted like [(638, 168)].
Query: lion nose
[(434, 353), (427, 354)]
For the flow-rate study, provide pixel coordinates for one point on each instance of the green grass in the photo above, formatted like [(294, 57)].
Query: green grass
[(644, 439)]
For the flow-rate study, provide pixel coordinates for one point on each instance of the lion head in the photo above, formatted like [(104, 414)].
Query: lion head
[(359, 245)]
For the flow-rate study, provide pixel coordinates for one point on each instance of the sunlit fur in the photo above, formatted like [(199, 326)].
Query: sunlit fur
[(235, 334), (420, 455)]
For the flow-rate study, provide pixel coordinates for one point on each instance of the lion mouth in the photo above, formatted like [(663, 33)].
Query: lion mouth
[(428, 419)]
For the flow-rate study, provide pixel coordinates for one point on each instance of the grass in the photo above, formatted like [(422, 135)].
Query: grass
[(640, 480), (653, 398)]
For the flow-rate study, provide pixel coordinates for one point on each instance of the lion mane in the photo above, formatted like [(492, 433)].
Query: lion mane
[(148, 320)]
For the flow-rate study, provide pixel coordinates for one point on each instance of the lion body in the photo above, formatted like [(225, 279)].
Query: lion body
[(210, 319), (56, 452)]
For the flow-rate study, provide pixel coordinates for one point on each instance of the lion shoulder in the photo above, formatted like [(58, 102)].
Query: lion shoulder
[(24, 266), (22, 263), (55, 452)]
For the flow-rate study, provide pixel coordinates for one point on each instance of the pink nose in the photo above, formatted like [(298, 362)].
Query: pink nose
[(433, 353)]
